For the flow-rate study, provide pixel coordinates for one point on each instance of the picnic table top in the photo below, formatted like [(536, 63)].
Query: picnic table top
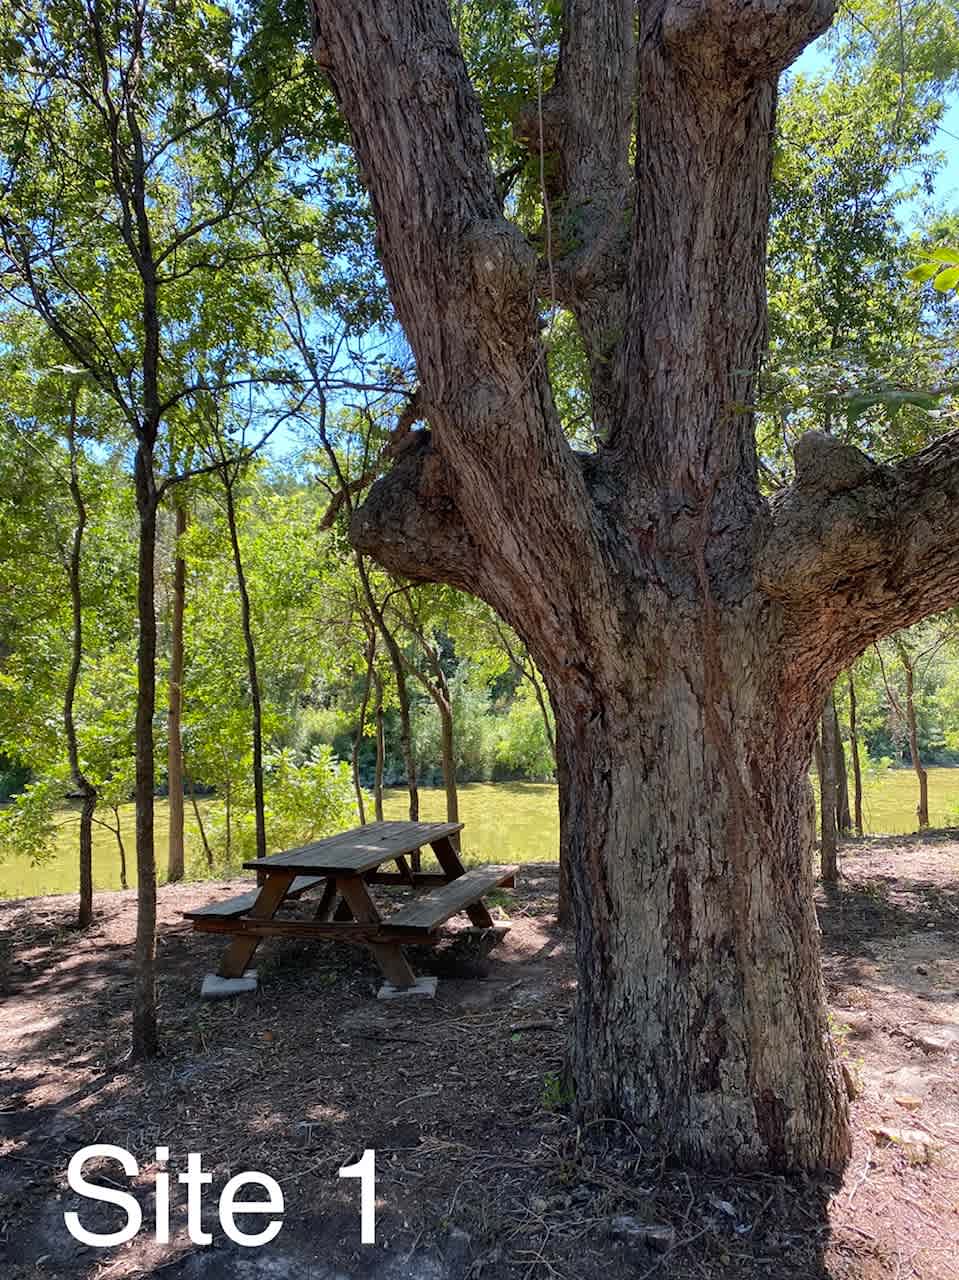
[(359, 850)]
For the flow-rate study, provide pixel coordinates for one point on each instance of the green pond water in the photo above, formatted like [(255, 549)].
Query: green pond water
[(504, 822)]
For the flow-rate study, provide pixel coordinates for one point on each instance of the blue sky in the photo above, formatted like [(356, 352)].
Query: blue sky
[(817, 57), (814, 59)]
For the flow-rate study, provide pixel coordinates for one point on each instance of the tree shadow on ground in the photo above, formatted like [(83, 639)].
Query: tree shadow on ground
[(479, 1166)]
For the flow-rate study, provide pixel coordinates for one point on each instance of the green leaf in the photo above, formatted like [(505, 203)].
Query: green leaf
[(947, 280), (951, 256), (923, 273)]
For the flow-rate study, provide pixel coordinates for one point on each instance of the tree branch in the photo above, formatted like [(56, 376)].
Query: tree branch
[(584, 123), (521, 497), (858, 550)]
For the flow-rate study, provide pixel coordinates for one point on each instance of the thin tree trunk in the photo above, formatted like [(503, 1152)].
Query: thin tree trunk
[(439, 690), (199, 822), (564, 904), (402, 697), (145, 1033), (380, 746), (228, 818), (361, 726), (843, 815), (175, 851), (854, 751), (259, 804), (81, 782), (912, 724), (121, 848), (829, 843)]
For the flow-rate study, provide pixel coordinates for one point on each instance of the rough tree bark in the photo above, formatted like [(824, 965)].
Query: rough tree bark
[(688, 629), (856, 760), (175, 847)]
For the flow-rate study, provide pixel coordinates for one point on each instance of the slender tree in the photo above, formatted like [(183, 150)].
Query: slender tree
[(854, 752), (175, 848)]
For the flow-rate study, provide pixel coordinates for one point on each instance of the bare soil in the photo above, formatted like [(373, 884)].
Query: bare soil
[(480, 1172)]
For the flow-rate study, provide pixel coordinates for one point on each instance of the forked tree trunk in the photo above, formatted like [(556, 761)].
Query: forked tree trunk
[(175, 847), (402, 698), (688, 629), (854, 752), (200, 827)]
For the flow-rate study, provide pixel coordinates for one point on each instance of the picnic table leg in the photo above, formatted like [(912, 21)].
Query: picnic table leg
[(447, 855), (388, 955), (241, 950), (327, 899)]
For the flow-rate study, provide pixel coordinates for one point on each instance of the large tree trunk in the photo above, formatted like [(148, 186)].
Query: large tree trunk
[(688, 933), (854, 752), (688, 629), (175, 847)]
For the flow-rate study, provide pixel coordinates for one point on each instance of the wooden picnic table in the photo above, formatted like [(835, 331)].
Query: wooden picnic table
[(346, 865)]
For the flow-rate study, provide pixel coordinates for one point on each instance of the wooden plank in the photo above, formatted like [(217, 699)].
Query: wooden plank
[(313, 930), (460, 894), (447, 855), (242, 902), (241, 950), (359, 850), (388, 955), (421, 879)]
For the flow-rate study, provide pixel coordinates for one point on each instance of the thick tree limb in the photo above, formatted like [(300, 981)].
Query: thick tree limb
[(410, 523), (463, 281), (583, 124), (858, 550), (729, 41)]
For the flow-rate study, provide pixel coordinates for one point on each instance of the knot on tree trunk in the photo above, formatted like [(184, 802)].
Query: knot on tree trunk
[(409, 521), (742, 40), (827, 465), (502, 264)]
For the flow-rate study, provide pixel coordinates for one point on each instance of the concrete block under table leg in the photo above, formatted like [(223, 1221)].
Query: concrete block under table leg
[(423, 986), (217, 988)]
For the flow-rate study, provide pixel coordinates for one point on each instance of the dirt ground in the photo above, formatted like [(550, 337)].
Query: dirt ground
[(480, 1173)]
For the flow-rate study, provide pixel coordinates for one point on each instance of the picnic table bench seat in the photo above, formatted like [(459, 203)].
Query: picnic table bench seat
[(347, 865), (435, 908), (242, 902)]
